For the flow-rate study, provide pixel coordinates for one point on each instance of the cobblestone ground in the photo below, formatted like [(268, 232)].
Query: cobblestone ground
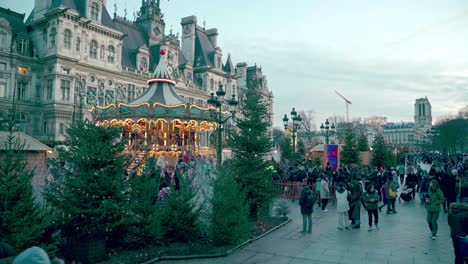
[(403, 238)]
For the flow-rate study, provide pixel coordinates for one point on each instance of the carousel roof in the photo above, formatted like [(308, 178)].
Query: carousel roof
[(161, 87), (159, 101)]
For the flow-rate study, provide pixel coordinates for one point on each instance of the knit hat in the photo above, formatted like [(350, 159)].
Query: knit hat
[(32, 255)]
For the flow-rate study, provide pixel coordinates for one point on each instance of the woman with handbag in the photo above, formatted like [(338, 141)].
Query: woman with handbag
[(391, 195)]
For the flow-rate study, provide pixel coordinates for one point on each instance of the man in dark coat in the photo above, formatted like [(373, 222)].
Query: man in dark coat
[(306, 201), (458, 222), (448, 184), (355, 203)]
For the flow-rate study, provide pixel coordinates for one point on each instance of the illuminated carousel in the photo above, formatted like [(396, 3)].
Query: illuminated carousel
[(160, 122)]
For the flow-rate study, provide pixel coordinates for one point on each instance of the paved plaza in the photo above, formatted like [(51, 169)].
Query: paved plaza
[(403, 238)]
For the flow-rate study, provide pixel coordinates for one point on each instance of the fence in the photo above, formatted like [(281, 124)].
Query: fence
[(292, 190)]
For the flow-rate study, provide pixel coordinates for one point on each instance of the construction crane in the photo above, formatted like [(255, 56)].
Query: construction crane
[(348, 102)]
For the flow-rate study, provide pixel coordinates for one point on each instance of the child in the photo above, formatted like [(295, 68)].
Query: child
[(371, 199)]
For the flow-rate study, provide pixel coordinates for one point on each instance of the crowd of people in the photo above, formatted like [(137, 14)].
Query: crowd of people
[(441, 184)]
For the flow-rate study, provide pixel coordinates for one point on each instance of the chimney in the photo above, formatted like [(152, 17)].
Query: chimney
[(212, 35)]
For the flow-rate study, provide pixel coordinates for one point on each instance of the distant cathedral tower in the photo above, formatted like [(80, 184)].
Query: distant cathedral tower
[(422, 113)]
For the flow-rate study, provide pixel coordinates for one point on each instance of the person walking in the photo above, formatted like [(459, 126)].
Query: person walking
[(434, 198), (306, 201), (342, 206), (355, 203), (391, 194), (317, 188), (457, 220), (324, 192), (371, 199), (401, 172)]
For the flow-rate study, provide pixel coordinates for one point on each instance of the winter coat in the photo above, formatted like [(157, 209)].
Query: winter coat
[(342, 203), (32, 255), (389, 185), (356, 193), (458, 220), (371, 200), (306, 204), (435, 197), (448, 185), (317, 184), (324, 189), (355, 203)]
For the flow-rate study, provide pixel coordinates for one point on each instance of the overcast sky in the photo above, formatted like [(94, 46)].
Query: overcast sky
[(381, 55)]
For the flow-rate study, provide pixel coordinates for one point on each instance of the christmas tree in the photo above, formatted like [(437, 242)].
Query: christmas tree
[(250, 144), (350, 153), (89, 192), (380, 153), (20, 219)]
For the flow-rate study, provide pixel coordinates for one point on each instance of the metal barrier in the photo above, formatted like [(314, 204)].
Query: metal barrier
[(292, 190)]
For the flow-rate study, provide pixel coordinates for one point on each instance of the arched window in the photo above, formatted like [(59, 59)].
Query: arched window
[(212, 85), (94, 11), (44, 35), (233, 89), (111, 55), (52, 34), (78, 44), (67, 36), (93, 49)]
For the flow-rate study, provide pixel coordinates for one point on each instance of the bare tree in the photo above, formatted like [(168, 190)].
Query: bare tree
[(463, 112), (307, 131)]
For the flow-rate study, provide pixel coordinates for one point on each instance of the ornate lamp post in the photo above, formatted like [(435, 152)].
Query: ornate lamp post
[(216, 113), (296, 124), (327, 131)]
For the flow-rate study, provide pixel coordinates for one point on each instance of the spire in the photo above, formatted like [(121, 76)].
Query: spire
[(161, 70), (229, 67)]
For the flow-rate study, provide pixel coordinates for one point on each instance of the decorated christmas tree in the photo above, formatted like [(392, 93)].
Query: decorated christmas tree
[(89, 192)]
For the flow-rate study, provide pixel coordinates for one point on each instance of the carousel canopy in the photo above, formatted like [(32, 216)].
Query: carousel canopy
[(159, 101), (161, 87)]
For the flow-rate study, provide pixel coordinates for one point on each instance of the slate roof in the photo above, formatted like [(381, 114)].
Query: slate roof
[(15, 20), (80, 7), (204, 51), (31, 144), (133, 40)]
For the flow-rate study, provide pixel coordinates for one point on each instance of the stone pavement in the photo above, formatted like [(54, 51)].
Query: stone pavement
[(403, 238)]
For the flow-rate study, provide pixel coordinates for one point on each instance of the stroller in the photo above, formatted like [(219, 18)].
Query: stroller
[(406, 194)]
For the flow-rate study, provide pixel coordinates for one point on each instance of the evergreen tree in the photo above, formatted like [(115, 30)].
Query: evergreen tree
[(301, 149), (20, 219), (380, 153), (363, 144), (350, 153), (286, 148), (230, 214), (144, 222), (180, 221), (89, 190), (250, 144)]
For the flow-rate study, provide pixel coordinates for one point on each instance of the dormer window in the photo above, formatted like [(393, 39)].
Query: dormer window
[(22, 46), (94, 11)]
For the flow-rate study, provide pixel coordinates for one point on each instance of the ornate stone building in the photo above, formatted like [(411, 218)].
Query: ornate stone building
[(70, 55)]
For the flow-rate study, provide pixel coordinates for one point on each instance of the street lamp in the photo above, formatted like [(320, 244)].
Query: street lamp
[(296, 124), (327, 130), (216, 113)]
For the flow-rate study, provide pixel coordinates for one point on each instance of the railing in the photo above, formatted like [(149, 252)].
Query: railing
[(292, 190)]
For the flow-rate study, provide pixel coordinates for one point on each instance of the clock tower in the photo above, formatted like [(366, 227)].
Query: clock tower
[(150, 19)]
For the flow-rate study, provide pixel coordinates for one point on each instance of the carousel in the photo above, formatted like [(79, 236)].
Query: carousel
[(160, 122)]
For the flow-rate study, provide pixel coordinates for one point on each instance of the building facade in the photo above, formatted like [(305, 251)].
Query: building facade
[(69, 56), (411, 134)]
